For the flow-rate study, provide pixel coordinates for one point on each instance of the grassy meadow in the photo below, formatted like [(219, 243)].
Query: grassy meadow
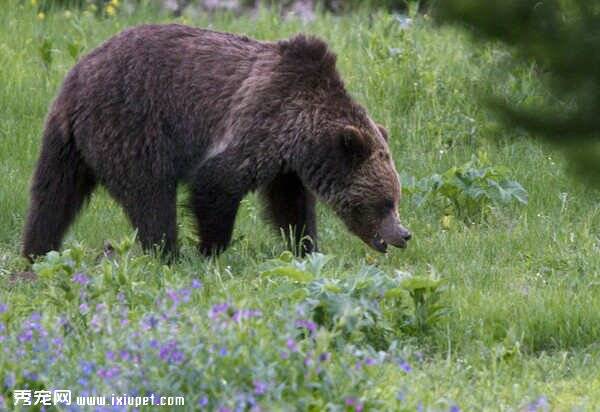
[(495, 305)]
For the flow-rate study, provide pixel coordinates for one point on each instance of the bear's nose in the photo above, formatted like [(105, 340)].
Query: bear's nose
[(407, 236)]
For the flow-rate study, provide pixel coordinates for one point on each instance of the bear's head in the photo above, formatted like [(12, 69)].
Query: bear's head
[(368, 203), (342, 155), (355, 174)]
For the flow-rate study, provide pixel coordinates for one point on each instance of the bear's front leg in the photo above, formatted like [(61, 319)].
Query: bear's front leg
[(291, 208), (215, 208), (218, 186)]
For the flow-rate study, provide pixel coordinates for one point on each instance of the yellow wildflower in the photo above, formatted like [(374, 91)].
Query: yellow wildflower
[(41, 15), (111, 10), (447, 222)]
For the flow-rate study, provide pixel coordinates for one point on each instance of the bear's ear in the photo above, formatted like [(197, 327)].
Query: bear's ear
[(353, 144), (383, 132)]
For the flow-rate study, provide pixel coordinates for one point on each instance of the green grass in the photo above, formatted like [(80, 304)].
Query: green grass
[(521, 289)]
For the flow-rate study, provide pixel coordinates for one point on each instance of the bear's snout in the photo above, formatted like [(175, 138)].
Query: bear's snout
[(390, 232)]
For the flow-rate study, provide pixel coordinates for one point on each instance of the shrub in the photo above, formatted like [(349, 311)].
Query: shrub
[(471, 190)]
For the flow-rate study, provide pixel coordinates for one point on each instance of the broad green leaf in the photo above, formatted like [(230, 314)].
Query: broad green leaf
[(332, 287), (419, 282), (291, 273), (395, 293), (286, 256)]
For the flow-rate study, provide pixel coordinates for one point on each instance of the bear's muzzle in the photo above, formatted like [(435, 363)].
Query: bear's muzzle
[(390, 232)]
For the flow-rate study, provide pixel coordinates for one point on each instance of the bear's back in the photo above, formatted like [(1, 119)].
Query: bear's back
[(165, 86)]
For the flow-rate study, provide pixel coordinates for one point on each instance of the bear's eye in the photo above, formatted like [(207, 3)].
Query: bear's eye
[(387, 205)]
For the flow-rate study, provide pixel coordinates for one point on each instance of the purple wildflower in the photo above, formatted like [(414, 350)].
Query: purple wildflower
[(242, 314), (80, 278), (26, 336), (30, 326), (87, 368), (454, 408), (218, 309), (355, 404), (177, 357), (540, 404), (109, 373), (172, 294), (110, 355), (245, 402), (32, 376), (184, 294), (203, 401), (223, 351), (9, 380), (260, 388), (196, 284), (57, 346), (177, 296), (405, 366), (96, 323), (324, 357), (170, 353), (309, 325), (370, 362), (121, 297), (292, 345), (149, 322), (3, 307), (84, 308)]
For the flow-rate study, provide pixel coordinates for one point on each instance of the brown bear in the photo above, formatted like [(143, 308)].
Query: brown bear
[(159, 105)]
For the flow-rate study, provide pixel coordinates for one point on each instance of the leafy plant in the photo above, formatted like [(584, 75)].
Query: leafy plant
[(369, 308), (64, 263), (74, 48), (472, 189), (298, 270), (425, 296), (45, 50)]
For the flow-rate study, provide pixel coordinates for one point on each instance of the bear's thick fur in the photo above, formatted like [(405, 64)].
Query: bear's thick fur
[(159, 105)]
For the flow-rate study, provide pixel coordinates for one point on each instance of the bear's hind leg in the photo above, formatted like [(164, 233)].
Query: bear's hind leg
[(153, 213), (291, 208), (61, 185)]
